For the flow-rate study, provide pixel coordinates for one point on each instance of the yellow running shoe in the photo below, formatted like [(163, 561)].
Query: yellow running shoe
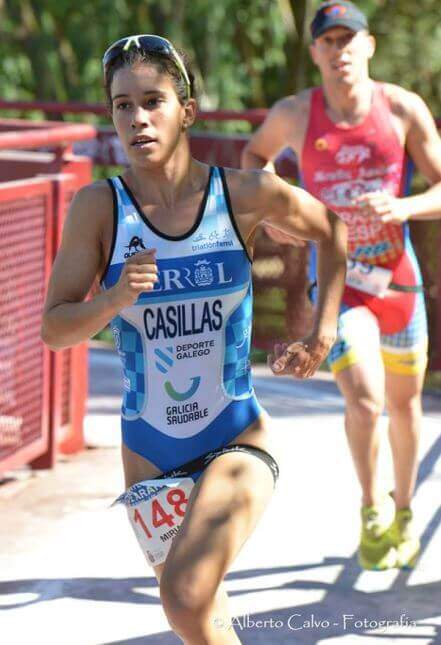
[(404, 538), (377, 551)]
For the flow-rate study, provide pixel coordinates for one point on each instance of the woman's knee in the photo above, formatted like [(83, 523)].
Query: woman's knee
[(186, 601)]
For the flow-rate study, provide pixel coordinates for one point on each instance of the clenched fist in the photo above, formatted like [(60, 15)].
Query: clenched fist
[(140, 273)]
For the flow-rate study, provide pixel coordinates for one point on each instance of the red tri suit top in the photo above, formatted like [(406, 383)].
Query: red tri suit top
[(338, 164)]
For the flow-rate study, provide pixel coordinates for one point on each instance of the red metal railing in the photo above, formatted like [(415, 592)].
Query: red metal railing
[(43, 394), (26, 239), (49, 134), (253, 116)]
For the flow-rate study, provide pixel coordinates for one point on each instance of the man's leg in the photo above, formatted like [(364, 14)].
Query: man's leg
[(362, 388), (358, 367), (359, 372), (405, 358), (405, 414), (403, 398)]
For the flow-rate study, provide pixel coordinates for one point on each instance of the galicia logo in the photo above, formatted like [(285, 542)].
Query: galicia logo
[(134, 246), (336, 10), (182, 396)]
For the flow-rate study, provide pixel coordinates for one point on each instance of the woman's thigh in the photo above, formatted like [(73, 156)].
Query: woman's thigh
[(223, 509), (136, 467)]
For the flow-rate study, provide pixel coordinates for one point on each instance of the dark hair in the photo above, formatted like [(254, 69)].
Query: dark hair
[(163, 64)]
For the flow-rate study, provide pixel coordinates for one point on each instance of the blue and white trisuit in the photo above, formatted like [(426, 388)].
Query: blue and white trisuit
[(185, 345)]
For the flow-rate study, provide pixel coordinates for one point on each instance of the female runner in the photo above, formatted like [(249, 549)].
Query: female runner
[(171, 241)]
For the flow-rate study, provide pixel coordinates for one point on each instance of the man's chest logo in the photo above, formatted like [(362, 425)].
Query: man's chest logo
[(352, 154)]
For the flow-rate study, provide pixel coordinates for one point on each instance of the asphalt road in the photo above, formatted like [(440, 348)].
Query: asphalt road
[(71, 572)]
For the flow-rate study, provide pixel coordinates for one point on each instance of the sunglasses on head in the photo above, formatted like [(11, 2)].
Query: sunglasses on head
[(147, 43)]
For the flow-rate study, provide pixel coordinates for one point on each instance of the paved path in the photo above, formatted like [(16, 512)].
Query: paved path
[(71, 572)]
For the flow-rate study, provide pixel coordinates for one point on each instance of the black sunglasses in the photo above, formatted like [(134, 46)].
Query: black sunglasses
[(148, 43)]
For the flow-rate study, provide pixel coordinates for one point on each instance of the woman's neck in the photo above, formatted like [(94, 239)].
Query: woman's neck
[(164, 186)]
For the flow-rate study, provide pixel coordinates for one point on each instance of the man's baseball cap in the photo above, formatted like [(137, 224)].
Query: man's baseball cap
[(338, 14)]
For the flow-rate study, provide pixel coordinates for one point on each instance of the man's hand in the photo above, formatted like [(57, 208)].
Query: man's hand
[(383, 205), (300, 359)]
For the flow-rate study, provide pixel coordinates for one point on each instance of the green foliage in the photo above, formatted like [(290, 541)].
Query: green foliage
[(246, 53), (52, 49), (408, 53)]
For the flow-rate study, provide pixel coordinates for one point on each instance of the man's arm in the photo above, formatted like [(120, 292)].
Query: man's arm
[(283, 127), (274, 135), (423, 144)]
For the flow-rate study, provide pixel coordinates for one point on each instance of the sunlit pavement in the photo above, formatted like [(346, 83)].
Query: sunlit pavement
[(71, 571)]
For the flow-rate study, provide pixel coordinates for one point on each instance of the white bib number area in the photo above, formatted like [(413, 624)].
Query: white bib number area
[(156, 509), (368, 278)]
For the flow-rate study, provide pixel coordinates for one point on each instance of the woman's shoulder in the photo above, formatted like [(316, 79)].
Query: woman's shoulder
[(248, 187), (97, 191), (93, 198)]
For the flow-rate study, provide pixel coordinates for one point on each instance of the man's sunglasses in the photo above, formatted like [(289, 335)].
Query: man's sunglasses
[(147, 43)]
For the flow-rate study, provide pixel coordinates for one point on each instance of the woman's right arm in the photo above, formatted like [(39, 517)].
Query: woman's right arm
[(67, 318)]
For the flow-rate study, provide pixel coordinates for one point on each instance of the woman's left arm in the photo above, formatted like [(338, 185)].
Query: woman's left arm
[(295, 211)]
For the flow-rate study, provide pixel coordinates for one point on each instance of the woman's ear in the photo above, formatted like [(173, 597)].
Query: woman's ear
[(190, 111)]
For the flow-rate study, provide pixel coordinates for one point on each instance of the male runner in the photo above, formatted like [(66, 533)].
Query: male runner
[(351, 136)]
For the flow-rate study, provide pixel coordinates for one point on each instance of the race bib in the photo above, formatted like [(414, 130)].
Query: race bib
[(368, 278), (156, 509)]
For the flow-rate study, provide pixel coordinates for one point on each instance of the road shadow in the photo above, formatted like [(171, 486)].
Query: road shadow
[(416, 602)]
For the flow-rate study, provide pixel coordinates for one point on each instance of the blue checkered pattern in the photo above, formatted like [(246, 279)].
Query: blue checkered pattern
[(414, 334), (342, 344), (130, 344), (237, 368)]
